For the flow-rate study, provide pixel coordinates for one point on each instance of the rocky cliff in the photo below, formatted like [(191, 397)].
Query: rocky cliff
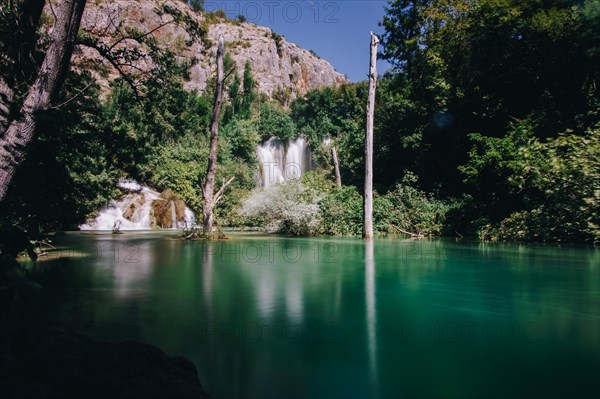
[(277, 65)]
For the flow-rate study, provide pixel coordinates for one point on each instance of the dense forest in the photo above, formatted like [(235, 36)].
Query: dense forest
[(487, 125)]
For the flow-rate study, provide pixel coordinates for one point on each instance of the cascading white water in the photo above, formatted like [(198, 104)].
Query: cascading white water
[(133, 211), (173, 216), (271, 158), (295, 159), (280, 163)]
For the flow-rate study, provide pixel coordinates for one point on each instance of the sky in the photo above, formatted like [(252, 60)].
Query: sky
[(338, 31)]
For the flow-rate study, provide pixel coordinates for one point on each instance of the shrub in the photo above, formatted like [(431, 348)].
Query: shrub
[(289, 208), (410, 209), (341, 212)]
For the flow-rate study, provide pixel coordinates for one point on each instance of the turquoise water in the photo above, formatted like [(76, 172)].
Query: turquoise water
[(273, 317)]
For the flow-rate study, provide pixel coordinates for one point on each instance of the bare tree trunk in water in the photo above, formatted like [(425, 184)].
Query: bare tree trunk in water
[(336, 167), (368, 194), (20, 131), (210, 198)]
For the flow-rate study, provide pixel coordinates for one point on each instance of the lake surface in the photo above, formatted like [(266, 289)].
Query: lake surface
[(276, 317)]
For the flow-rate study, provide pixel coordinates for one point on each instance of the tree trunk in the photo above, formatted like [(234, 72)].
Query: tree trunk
[(18, 59), (6, 99), (210, 199), (20, 131), (336, 167), (368, 194)]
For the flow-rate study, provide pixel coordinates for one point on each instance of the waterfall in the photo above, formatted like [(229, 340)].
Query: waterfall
[(173, 216), (271, 157), (294, 159), (133, 210), (279, 162)]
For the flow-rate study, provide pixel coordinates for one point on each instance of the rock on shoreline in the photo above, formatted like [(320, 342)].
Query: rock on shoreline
[(51, 363)]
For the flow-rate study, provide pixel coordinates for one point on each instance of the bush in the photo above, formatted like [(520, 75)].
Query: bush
[(341, 212), (410, 209), (289, 208)]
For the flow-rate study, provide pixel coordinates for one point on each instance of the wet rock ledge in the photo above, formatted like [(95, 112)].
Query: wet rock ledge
[(53, 363)]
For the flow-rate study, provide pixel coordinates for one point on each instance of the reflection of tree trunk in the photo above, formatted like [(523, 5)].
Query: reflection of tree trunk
[(20, 131), (368, 194), (370, 302), (336, 167), (207, 272), (209, 202)]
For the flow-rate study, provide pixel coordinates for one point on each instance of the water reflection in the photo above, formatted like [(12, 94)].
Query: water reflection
[(371, 314), (207, 273), (294, 298), (249, 325), (131, 267), (266, 294)]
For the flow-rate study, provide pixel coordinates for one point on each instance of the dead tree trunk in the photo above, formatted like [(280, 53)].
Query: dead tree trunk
[(368, 194), (336, 167), (20, 131), (210, 198)]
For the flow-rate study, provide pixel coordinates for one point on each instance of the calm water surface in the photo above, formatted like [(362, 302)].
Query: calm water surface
[(274, 317)]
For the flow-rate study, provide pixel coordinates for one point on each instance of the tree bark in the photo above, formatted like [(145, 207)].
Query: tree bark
[(6, 99), (336, 167), (19, 58), (209, 201), (20, 131), (368, 194)]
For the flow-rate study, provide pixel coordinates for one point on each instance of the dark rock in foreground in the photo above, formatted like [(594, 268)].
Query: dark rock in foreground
[(52, 363)]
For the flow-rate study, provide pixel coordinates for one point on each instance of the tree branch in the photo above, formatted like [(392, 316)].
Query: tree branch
[(88, 42), (222, 190)]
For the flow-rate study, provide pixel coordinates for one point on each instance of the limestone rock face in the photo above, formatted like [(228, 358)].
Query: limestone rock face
[(277, 65)]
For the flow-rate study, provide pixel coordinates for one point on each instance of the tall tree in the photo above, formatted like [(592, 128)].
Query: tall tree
[(18, 131), (249, 90), (368, 194), (210, 199)]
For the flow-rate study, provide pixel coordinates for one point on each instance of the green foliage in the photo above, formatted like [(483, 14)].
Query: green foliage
[(178, 164), (275, 121), (69, 172), (341, 211), (242, 137), (464, 66), (249, 87), (551, 186), (560, 180), (410, 209)]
